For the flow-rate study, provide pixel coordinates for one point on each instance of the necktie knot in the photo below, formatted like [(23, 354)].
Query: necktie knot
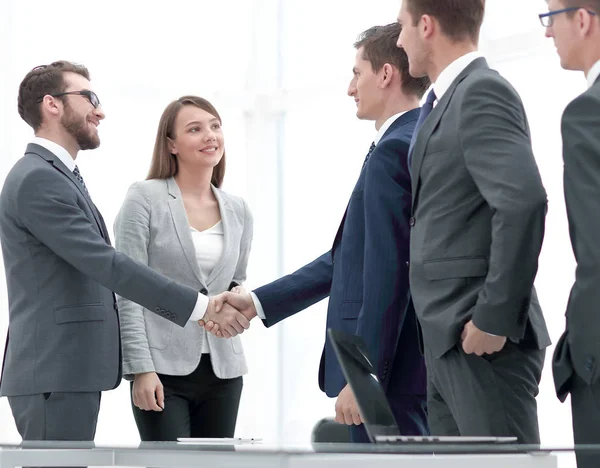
[(371, 148), (431, 97), (77, 175)]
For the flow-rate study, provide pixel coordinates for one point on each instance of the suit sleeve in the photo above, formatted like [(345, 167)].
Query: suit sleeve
[(387, 205), (54, 217), (295, 292), (132, 237), (497, 152), (581, 152), (245, 245)]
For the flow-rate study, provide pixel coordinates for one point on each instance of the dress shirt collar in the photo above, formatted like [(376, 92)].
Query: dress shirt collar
[(386, 125), (451, 72), (593, 74), (57, 150)]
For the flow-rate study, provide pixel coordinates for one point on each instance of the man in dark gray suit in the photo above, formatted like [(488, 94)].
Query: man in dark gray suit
[(63, 346), (477, 228), (575, 28)]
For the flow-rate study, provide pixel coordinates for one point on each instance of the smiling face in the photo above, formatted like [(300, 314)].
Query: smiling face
[(198, 138), (364, 88), (79, 117)]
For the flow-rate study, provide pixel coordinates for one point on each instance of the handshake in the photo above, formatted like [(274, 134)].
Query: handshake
[(229, 314)]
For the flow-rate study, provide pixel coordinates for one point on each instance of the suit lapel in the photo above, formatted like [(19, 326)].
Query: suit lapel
[(407, 117), (42, 152), (227, 220), (432, 122), (182, 227)]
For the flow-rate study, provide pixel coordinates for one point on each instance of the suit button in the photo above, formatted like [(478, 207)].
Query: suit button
[(589, 365), (174, 316), (407, 264), (157, 309), (204, 291), (411, 221)]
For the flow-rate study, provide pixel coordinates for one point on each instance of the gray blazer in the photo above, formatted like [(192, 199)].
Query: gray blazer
[(479, 209), (579, 348), (152, 227), (63, 329)]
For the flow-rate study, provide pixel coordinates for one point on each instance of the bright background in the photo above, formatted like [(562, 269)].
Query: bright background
[(277, 71)]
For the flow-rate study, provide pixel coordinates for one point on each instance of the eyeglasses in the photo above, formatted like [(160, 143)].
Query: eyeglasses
[(547, 18), (90, 95)]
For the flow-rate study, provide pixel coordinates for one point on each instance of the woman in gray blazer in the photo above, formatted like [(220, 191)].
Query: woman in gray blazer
[(185, 382)]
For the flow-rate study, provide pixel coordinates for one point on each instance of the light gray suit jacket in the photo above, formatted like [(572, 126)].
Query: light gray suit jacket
[(479, 208), (63, 329), (152, 227)]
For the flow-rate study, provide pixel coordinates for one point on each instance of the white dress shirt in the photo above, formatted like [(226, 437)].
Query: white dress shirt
[(67, 160), (209, 248), (593, 74), (451, 72)]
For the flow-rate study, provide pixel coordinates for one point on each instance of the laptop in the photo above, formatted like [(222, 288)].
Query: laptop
[(374, 408)]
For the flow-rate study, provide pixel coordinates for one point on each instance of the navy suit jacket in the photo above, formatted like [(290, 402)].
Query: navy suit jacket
[(365, 274)]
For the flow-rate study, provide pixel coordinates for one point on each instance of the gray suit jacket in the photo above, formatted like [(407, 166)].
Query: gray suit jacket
[(152, 227), (63, 331), (579, 348), (478, 214)]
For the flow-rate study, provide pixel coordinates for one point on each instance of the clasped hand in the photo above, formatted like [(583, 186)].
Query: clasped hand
[(229, 313)]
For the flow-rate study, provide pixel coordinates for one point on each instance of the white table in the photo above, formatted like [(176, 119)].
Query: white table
[(258, 456)]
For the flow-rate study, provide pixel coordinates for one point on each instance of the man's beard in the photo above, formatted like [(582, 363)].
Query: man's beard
[(77, 127)]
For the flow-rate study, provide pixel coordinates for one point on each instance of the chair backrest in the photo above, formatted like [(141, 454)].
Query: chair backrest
[(329, 431)]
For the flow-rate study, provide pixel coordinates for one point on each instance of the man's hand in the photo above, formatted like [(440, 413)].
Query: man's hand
[(148, 392), (479, 342), (242, 303), (346, 409), (226, 321)]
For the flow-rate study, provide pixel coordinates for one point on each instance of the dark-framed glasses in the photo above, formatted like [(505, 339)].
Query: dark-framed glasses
[(90, 95), (547, 19)]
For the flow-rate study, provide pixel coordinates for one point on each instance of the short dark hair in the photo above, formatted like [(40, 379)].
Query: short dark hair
[(43, 80), (459, 19), (379, 47)]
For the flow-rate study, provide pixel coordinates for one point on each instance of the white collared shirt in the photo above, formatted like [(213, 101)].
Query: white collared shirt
[(67, 160), (593, 74), (57, 151), (451, 72), (387, 124)]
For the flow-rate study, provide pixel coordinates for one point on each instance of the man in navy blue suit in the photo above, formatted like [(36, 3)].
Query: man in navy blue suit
[(365, 274)]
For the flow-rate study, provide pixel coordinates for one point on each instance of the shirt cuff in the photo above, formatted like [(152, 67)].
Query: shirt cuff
[(259, 310), (199, 308)]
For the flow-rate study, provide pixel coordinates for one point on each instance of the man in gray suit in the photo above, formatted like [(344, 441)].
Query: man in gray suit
[(477, 228), (63, 346), (575, 28)]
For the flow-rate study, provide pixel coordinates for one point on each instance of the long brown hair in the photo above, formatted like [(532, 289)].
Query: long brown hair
[(164, 164)]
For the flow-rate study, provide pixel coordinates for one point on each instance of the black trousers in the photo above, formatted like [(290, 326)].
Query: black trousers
[(490, 395), (196, 405), (585, 403)]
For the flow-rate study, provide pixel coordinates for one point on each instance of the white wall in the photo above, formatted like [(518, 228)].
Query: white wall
[(278, 71)]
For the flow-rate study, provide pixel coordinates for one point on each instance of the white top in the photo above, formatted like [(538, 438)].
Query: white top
[(387, 124), (67, 160), (451, 72), (57, 151), (209, 248), (593, 74)]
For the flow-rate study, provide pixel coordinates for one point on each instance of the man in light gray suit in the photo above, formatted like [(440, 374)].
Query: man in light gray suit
[(575, 29), (477, 228), (63, 346)]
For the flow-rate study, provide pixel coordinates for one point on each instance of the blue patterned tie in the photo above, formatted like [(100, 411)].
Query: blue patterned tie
[(425, 111), (371, 148), (77, 175)]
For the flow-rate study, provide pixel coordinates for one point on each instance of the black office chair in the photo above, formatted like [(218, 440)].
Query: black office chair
[(329, 431)]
